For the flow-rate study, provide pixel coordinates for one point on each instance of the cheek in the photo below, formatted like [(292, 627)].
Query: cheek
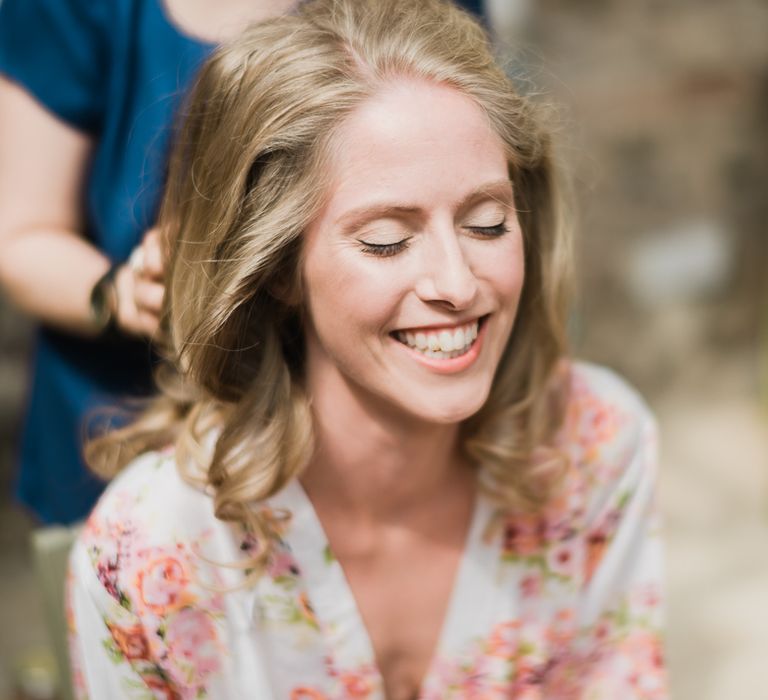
[(505, 268), (349, 296)]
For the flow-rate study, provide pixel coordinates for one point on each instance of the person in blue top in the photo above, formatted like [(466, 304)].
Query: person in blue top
[(88, 92)]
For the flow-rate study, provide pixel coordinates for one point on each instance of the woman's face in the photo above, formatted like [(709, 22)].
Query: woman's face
[(413, 269)]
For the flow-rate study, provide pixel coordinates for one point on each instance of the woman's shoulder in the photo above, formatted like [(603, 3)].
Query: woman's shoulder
[(610, 437), (150, 491), (147, 581), (152, 530), (605, 413), (604, 384)]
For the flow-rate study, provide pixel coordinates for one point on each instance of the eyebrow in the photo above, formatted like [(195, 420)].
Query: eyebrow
[(499, 190)]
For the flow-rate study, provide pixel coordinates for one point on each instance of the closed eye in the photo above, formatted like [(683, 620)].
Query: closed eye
[(385, 250), (490, 231)]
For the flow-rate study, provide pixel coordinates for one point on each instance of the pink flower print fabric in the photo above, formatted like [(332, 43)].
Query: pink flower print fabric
[(562, 604)]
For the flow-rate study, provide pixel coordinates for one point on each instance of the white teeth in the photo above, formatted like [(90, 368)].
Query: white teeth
[(441, 345)]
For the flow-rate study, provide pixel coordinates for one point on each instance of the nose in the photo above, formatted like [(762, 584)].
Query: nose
[(447, 277)]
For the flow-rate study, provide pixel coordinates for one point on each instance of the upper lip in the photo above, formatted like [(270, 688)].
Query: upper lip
[(440, 325)]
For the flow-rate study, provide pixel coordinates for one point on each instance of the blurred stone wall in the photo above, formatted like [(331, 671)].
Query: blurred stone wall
[(668, 142)]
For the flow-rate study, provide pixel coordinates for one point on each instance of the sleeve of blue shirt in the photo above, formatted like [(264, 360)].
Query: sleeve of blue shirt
[(58, 51)]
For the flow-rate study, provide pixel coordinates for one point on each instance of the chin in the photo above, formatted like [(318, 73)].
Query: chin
[(450, 412)]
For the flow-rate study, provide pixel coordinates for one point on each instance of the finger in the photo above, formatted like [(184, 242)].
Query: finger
[(147, 324), (148, 296), (154, 262), (130, 318), (125, 285)]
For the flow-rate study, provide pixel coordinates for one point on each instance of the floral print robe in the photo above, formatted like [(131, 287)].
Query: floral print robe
[(558, 606)]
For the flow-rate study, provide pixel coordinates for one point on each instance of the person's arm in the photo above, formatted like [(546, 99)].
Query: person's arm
[(47, 267)]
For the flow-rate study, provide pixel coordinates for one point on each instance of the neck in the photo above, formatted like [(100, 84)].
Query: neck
[(374, 462)]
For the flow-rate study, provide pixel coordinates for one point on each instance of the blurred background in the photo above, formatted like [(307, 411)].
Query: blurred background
[(664, 130)]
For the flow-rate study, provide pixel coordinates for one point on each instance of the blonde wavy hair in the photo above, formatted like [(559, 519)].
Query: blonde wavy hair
[(247, 176)]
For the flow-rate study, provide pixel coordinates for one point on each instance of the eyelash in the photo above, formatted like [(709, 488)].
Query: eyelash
[(491, 231), (386, 250)]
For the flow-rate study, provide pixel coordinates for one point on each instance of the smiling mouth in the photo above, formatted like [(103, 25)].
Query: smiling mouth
[(441, 343)]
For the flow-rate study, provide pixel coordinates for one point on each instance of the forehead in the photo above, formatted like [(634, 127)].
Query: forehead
[(413, 140)]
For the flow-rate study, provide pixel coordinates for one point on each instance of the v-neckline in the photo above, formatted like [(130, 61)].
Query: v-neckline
[(334, 605)]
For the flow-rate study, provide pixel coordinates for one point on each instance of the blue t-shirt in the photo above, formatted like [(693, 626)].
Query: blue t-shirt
[(115, 69)]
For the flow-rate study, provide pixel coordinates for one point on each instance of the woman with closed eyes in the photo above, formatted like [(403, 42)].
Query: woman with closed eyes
[(374, 471)]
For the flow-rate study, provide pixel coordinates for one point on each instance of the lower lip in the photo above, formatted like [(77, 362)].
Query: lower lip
[(451, 365)]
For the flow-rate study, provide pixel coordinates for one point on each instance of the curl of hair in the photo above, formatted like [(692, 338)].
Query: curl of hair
[(247, 176)]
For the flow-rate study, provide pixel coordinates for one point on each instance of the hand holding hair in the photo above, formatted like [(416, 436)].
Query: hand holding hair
[(139, 287)]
